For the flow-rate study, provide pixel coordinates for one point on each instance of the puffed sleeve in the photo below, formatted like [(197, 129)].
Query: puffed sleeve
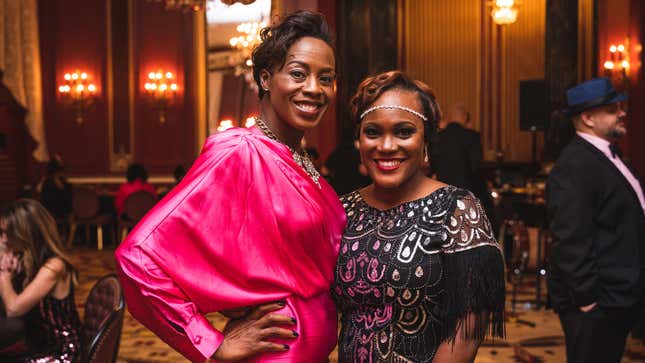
[(474, 291), (156, 301), (154, 262)]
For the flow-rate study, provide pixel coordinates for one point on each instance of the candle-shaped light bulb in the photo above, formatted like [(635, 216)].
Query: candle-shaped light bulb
[(168, 75), (609, 65), (173, 86), (61, 89), (621, 48), (80, 88), (163, 87), (83, 75), (75, 76), (68, 76), (612, 48), (151, 75), (91, 88), (158, 75)]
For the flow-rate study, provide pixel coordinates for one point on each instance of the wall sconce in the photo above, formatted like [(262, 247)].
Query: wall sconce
[(161, 90), (78, 92), (617, 66), (504, 12)]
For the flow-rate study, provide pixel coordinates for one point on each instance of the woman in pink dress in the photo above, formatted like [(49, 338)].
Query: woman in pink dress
[(252, 228), (137, 180)]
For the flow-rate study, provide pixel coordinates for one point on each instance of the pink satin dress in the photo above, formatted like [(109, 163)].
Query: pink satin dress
[(246, 226)]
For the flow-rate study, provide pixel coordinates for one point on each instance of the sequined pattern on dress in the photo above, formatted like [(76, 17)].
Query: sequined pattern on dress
[(391, 278), (54, 331)]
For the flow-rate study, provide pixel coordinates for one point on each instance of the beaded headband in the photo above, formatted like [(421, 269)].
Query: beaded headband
[(389, 107)]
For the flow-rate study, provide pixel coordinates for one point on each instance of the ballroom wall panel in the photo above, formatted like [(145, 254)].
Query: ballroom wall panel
[(466, 58), (442, 48), (163, 40), (118, 42), (73, 36), (623, 22), (522, 58)]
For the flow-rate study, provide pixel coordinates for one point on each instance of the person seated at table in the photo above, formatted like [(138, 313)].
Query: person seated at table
[(37, 283), (137, 177), (55, 191)]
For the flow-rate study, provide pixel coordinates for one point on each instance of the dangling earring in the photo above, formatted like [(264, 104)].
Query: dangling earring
[(426, 159)]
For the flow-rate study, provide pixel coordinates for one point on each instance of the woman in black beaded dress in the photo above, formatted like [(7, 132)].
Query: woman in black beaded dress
[(419, 276), (33, 263)]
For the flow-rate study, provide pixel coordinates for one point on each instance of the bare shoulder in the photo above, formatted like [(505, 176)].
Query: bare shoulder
[(56, 265)]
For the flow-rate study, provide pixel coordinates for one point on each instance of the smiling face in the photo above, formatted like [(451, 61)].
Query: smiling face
[(391, 141), (300, 91)]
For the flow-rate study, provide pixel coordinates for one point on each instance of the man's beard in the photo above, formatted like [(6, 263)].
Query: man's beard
[(616, 132)]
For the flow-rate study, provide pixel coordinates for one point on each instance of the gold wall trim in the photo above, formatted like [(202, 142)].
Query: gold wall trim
[(131, 79), (110, 84), (201, 79), (586, 54), (109, 179), (120, 161)]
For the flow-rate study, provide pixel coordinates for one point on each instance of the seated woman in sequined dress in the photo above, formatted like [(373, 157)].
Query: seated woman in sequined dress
[(37, 283), (251, 223), (419, 276)]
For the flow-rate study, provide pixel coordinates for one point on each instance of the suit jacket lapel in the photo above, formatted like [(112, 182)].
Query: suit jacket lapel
[(603, 158)]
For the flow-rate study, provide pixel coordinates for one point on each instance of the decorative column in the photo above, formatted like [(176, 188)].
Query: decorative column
[(561, 61)]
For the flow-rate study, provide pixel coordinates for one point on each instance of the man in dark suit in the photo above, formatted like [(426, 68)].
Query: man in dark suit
[(597, 215), (457, 157), (457, 152)]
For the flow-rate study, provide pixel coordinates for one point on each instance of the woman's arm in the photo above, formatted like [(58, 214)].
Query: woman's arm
[(44, 282), (474, 289), (460, 350), (156, 301)]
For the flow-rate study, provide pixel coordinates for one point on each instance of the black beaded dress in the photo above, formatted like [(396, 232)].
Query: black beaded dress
[(409, 276), (54, 331)]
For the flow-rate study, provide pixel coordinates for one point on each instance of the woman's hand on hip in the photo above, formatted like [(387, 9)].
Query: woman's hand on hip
[(249, 335)]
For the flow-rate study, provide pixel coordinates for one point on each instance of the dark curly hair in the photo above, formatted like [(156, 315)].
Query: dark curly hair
[(278, 38), (372, 88)]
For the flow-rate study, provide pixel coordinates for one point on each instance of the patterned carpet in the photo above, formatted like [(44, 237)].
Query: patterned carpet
[(533, 336)]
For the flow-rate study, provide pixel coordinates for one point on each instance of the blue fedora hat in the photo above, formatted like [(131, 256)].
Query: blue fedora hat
[(590, 94)]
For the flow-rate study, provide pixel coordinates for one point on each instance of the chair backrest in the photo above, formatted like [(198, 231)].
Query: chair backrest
[(138, 204), (103, 321), (85, 203)]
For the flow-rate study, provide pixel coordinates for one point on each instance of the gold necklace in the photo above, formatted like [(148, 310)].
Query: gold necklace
[(301, 158)]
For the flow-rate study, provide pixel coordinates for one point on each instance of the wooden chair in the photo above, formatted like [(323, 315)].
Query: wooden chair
[(136, 206), (86, 213), (103, 321)]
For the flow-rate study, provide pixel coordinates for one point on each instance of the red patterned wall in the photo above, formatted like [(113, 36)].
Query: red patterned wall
[(74, 35)]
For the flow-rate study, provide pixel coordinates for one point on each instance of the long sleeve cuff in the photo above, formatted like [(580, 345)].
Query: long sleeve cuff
[(204, 337)]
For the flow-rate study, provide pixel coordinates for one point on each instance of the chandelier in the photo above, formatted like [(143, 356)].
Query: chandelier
[(244, 43), (247, 40), (196, 5), (183, 5), (504, 12)]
